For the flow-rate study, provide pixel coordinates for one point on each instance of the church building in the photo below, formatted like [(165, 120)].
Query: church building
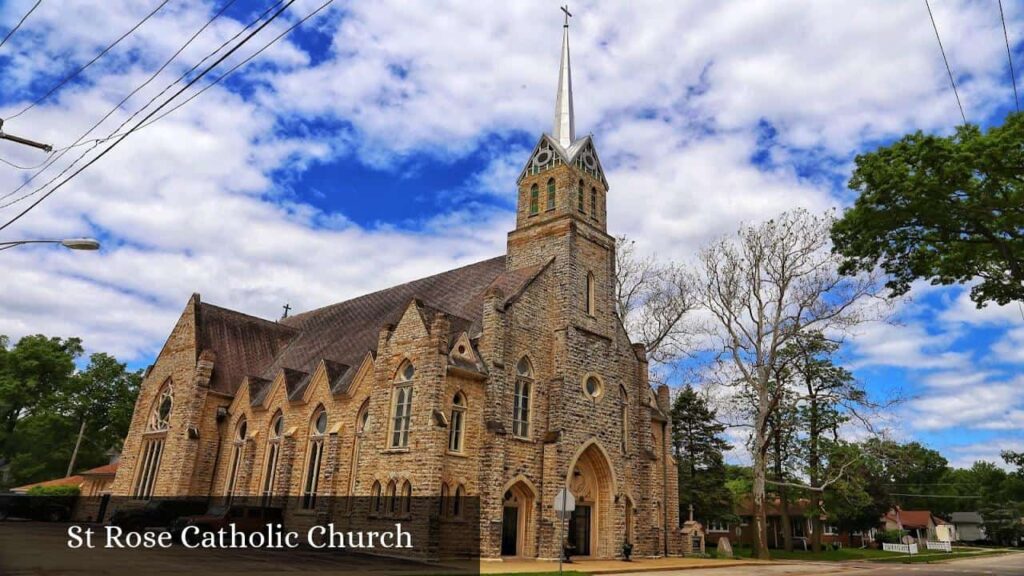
[(504, 380)]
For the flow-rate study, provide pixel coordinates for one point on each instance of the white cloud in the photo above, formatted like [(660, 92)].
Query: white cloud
[(203, 202)]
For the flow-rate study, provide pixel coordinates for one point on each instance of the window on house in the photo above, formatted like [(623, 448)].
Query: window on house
[(551, 194), (830, 530), (236, 460), (590, 302), (402, 412), (592, 386), (718, 526), (534, 199), (456, 430), (311, 484), (273, 453), (593, 202), (579, 199), (521, 399), (153, 443)]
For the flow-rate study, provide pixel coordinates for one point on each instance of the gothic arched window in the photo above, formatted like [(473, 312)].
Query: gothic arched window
[(579, 199), (521, 399), (457, 503), (534, 199), (444, 500), (406, 506), (401, 411), (317, 433), (273, 453), (593, 202), (160, 416), (457, 423), (551, 194), (236, 459), (590, 301), (376, 505), (153, 443), (390, 500)]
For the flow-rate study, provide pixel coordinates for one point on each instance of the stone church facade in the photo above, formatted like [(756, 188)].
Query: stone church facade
[(504, 380)]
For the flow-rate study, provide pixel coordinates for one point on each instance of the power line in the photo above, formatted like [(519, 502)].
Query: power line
[(20, 22), (937, 496), (1009, 55), (58, 154), (115, 134), (944, 59), (145, 124), (148, 116), (89, 63)]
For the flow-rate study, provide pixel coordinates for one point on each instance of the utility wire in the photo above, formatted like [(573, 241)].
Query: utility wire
[(20, 22), (151, 114), (944, 59), (144, 124), (58, 154), (1009, 55), (115, 134), (89, 63)]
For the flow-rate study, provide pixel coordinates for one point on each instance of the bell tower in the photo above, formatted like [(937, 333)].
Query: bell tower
[(561, 209)]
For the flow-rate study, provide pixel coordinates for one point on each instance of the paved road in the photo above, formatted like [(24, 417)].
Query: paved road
[(1005, 565)]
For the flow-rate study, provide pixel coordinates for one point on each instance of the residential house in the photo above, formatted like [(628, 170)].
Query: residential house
[(969, 526), (800, 515), (919, 524)]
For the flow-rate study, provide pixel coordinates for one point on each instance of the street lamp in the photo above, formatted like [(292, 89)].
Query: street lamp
[(69, 243)]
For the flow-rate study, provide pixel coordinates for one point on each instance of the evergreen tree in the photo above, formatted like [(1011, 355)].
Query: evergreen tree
[(698, 448)]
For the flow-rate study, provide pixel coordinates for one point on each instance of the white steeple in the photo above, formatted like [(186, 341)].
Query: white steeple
[(564, 131)]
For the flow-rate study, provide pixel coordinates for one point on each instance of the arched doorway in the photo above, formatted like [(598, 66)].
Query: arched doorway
[(518, 503), (592, 482)]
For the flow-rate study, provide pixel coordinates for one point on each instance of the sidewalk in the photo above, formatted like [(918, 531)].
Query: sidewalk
[(522, 566)]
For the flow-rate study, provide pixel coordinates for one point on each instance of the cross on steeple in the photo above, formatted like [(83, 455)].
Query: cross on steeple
[(564, 131), (287, 308)]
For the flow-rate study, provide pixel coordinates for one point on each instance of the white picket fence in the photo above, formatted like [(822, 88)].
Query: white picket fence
[(938, 545), (904, 548)]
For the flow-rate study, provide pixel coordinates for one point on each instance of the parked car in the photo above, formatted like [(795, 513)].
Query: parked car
[(245, 518), (46, 508), (156, 513)]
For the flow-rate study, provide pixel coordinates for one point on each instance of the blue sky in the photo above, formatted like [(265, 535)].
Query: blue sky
[(381, 142)]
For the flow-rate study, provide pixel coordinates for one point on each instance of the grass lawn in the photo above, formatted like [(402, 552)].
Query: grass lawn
[(938, 557)]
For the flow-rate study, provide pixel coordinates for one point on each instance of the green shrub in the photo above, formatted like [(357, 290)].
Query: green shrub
[(53, 491), (892, 536)]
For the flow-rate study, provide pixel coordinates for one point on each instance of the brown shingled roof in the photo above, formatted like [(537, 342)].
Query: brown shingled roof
[(245, 345), (341, 333)]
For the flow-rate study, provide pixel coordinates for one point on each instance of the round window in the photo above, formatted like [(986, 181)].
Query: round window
[(592, 386)]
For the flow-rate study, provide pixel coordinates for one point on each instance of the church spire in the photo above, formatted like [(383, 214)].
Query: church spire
[(565, 125)]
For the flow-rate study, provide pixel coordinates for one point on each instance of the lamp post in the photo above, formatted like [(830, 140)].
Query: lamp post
[(69, 243)]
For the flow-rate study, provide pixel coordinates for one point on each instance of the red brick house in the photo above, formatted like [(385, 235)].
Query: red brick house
[(799, 512)]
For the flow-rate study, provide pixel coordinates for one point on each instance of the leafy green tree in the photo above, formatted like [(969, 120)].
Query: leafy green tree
[(32, 372), (48, 407), (698, 446), (946, 209)]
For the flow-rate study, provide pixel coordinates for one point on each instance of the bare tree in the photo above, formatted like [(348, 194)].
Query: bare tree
[(653, 300), (763, 288)]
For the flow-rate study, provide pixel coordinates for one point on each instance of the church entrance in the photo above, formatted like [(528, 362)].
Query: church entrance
[(579, 530), (509, 527), (591, 526), (517, 532)]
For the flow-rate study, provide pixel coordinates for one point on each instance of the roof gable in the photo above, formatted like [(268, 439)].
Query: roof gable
[(548, 153)]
